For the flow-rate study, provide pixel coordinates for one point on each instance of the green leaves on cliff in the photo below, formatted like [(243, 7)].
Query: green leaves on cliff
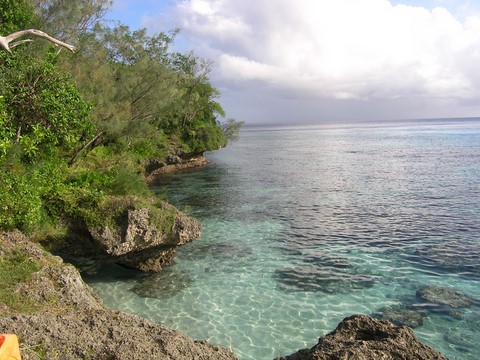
[(74, 128)]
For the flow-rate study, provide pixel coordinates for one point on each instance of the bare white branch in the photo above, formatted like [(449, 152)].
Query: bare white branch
[(6, 40)]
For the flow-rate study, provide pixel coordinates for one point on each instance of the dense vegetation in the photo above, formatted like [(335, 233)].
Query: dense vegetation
[(76, 128)]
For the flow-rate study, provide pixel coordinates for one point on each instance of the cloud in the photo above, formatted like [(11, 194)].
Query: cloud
[(342, 49)]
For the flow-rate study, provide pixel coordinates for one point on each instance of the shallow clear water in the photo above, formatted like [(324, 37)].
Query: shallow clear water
[(303, 226)]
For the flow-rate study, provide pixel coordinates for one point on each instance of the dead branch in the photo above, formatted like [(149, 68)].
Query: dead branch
[(6, 40)]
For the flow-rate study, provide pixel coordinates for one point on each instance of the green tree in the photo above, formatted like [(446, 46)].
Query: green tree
[(44, 108), (231, 129), (16, 15)]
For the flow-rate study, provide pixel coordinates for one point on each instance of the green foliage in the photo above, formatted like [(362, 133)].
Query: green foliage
[(17, 267), (21, 203), (43, 109), (75, 128), (24, 190), (231, 129), (15, 15), (199, 137)]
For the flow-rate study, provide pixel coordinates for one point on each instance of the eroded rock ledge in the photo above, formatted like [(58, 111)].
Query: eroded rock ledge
[(138, 241)]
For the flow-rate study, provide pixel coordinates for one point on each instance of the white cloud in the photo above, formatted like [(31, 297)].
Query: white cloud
[(344, 49)]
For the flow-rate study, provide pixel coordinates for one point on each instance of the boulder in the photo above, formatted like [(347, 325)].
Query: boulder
[(140, 240), (361, 337)]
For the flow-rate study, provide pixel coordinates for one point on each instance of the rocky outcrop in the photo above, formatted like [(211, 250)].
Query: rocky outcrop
[(132, 232), (69, 322), (361, 337), (142, 240)]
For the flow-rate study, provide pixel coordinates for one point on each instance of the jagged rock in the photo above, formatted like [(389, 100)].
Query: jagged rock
[(104, 334), (443, 295), (173, 159), (361, 337), (399, 315), (137, 241)]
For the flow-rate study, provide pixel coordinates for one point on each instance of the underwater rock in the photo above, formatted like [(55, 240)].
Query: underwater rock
[(458, 257), (462, 339), (443, 295), (218, 250), (363, 338), (163, 285), (318, 278), (399, 315), (339, 262)]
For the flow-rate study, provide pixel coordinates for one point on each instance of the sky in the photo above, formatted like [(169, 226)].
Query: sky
[(313, 61)]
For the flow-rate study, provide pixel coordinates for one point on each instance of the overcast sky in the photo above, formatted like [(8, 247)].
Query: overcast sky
[(310, 61)]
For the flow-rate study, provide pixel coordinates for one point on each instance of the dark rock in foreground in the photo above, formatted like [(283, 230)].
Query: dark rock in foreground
[(361, 337)]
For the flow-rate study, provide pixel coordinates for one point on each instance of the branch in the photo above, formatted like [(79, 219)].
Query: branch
[(5, 40)]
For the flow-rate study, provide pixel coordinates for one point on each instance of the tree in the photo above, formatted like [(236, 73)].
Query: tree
[(231, 129)]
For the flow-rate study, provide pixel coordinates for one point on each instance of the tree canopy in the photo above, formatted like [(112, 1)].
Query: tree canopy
[(76, 127)]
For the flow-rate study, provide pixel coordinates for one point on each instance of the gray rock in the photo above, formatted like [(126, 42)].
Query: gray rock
[(136, 241), (361, 337)]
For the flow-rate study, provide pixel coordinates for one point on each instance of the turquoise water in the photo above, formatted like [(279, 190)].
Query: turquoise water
[(303, 226)]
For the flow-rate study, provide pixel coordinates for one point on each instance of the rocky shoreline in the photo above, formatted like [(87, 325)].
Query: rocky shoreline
[(68, 321), (173, 163)]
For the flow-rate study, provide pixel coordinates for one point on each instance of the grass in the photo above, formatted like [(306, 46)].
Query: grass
[(16, 267)]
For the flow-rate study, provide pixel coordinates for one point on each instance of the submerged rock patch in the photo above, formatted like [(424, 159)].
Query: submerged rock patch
[(443, 295), (400, 315), (163, 285), (321, 278)]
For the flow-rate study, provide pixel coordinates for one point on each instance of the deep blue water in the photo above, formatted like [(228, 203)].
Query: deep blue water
[(305, 225)]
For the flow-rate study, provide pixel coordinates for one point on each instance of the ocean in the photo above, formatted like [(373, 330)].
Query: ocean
[(306, 225)]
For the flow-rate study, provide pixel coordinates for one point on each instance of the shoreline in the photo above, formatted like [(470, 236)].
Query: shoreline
[(156, 170)]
